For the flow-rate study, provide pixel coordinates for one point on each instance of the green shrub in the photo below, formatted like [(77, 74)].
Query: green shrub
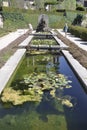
[(15, 18), (78, 32), (12, 16), (78, 19), (80, 8)]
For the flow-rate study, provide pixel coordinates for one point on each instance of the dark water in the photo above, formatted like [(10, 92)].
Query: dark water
[(77, 118), (47, 114)]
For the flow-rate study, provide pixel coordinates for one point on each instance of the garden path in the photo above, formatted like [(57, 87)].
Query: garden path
[(9, 38), (78, 41)]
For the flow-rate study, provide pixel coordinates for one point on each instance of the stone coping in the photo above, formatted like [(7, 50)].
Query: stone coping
[(8, 69), (80, 71), (27, 40), (7, 39), (10, 66), (58, 40)]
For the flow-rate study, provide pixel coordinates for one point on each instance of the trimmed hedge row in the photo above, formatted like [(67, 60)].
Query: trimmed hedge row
[(79, 32)]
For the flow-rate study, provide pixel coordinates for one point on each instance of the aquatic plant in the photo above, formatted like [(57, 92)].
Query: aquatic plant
[(43, 82), (38, 86), (43, 41)]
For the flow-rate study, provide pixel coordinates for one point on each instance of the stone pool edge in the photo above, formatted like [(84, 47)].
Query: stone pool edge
[(9, 68), (80, 71), (7, 71)]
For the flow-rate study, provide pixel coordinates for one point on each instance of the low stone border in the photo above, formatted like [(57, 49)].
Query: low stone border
[(80, 71), (8, 69), (27, 40), (59, 41)]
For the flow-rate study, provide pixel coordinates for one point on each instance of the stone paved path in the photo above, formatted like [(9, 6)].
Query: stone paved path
[(7, 39), (78, 41)]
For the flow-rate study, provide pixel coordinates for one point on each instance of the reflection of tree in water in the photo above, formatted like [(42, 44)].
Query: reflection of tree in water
[(52, 106), (46, 108), (46, 89)]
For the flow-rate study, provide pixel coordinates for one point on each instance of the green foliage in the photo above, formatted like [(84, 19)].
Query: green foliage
[(51, 3), (13, 16), (43, 42), (78, 19), (39, 4), (80, 8), (68, 5), (0, 3), (71, 15), (33, 88), (79, 32), (20, 18), (56, 21)]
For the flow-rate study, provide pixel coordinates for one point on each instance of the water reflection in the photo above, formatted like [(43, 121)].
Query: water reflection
[(49, 113)]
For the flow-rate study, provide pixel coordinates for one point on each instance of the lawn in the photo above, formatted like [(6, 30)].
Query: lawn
[(20, 18)]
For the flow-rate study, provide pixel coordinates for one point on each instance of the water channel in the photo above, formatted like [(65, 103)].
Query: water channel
[(48, 113)]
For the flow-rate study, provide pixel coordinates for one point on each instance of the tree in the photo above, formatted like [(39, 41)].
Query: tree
[(1, 3), (1, 6)]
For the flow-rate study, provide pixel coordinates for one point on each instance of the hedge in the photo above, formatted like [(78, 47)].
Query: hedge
[(78, 32)]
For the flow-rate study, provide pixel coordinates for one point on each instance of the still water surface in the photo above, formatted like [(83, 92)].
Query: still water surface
[(47, 114)]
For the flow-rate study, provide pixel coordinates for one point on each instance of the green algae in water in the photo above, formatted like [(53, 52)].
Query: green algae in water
[(34, 117), (34, 87), (48, 113), (43, 42), (33, 121)]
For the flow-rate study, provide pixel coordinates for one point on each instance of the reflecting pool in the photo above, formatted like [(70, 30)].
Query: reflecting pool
[(50, 112)]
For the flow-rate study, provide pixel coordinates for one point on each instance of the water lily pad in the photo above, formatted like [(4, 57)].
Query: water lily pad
[(52, 92), (37, 85), (67, 103)]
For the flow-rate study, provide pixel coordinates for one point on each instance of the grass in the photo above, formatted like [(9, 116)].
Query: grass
[(56, 19), (20, 18)]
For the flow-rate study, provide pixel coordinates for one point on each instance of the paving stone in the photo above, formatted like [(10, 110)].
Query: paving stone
[(7, 39)]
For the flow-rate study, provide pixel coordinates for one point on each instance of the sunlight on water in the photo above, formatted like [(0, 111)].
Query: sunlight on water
[(49, 113)]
